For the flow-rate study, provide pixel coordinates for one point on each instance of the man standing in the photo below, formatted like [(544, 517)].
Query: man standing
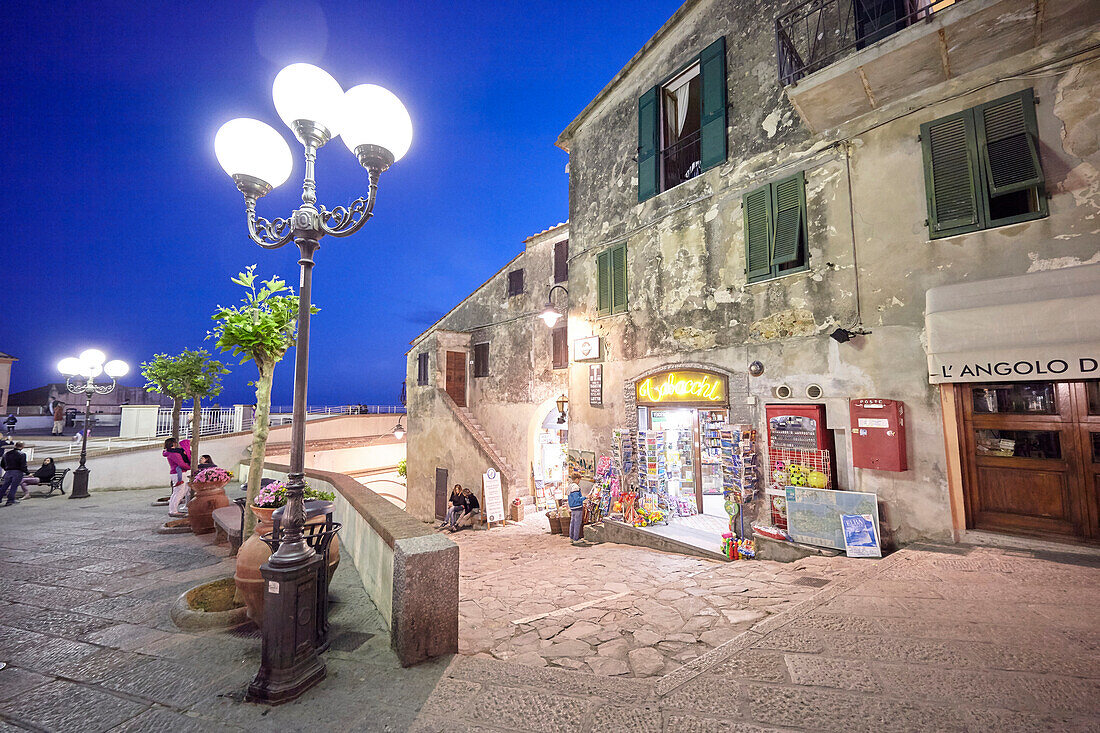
[(58, 418), (14, 464)]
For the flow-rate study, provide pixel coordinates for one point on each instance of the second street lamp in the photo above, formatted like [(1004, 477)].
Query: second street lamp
[(377, 129), (80, 373)]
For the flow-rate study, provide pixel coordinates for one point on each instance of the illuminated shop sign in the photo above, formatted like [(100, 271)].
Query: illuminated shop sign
[(685, 386)]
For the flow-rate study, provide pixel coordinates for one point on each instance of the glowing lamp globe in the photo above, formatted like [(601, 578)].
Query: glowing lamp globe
[(253, 149), (307, 93), (373, 116), (93, 357), (550, 315), (70, 366), (116, 368)]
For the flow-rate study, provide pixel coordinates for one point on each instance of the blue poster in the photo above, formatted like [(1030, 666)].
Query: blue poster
[(860, 538)]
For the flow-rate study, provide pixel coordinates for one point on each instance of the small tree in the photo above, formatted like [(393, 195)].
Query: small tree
[(261, 330), (199, 377), (162, 376)]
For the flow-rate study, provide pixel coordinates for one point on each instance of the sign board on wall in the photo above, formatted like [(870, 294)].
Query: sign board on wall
[(494, 496), (682, 386), (595, 385), (587, 348)]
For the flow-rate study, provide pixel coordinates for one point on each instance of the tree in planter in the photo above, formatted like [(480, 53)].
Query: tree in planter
[(162, 376), (199, 376), (261, 330)]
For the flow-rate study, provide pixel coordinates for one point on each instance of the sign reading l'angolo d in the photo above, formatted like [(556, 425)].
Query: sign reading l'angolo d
[(682, 386)]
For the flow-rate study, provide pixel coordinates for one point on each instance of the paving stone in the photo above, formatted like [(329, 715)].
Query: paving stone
[(607, 666), (713, 696), (579, 630), (158, 720), (14, 682), (528, 710), (645, 662), (815, 670), (568, 648), (643, 637), (125, 636), (166, 683), (65, 706), (633, 719)]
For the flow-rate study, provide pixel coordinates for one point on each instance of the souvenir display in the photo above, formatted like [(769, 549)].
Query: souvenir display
[(793, 467)]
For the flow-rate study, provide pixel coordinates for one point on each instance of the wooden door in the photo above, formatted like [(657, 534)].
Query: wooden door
[(1088, 437), (1023, 459), (456, 377), (440, 493)]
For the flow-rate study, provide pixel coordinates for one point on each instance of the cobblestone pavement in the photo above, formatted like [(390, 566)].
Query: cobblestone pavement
[(937, 639), (533, 598)]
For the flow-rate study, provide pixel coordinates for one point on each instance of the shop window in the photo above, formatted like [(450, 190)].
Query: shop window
[(1022, 398), (1095, 447), (481, 359), (1019, 443), (611, 280), (981, 167), (561, 261), (422, 369), (1092, 390), (515, 283), (559, 347), (682, 124), (775, 228)]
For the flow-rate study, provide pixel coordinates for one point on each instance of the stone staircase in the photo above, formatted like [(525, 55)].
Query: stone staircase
[(513, 487)]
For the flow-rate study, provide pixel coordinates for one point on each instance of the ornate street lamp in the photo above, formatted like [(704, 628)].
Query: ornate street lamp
[(398, 430), (550, 313), (562, 403), (80, 373), (376, 127)]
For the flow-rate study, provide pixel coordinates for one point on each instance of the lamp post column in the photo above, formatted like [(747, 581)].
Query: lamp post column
[(80, 475)]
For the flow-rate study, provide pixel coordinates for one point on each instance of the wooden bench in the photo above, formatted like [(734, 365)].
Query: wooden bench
[(56, 484), (229, 522)]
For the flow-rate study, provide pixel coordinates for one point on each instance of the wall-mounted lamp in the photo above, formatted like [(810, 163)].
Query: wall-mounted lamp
[(398, 430), (562, 402), (550, 313), (844, 335)]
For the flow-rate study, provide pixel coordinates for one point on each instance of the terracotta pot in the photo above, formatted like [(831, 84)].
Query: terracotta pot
[(254, 552), (209, 495)]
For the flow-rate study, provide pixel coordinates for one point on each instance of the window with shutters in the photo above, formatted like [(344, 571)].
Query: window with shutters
[(422, 369), (561, 261), (611, 281), (982, 168), (481, 359), (515, 283), (775, 228), (682, 124), (559, 347)]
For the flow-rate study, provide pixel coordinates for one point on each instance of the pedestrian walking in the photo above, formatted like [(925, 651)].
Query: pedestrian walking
[(10, 423), (58, 418), (14, 464)]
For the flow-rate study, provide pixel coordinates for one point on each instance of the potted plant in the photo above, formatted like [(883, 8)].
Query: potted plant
[(254, 551), (209, 487)]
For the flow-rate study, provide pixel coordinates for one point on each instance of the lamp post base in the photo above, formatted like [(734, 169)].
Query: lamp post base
[(289, 664), (80, 483)]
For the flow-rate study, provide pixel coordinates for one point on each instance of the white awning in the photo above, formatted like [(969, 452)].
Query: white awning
[(1040, 326)]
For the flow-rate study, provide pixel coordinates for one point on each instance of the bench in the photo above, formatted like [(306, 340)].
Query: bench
[(229, 521), (56, 484)]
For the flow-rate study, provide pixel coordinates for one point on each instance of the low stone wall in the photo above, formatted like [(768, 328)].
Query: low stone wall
[(409, 571)]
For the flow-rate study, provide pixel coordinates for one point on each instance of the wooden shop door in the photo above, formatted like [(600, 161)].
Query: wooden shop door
[(1028, 464), (456, 377)]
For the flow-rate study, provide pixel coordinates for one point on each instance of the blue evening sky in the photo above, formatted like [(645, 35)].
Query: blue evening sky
[(123, 231)]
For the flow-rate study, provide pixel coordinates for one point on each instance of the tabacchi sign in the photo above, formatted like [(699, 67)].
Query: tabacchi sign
[(685, 386)]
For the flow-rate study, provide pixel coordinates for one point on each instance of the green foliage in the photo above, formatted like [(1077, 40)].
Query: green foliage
[(402, 468), (263, 326), (188, 374)]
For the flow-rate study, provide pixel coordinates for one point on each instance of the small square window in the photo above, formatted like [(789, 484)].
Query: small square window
[(481, 359), (515, 283)]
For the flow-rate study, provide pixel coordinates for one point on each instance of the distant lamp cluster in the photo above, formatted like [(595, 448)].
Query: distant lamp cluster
[(80, 374)]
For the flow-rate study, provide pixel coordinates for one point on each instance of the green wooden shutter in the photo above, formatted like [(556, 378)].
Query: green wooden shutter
[(1007, 132), (712, 70), (648, 119), (603, 283), (951, 174), (618, 279), (790, 213), (757, 207)]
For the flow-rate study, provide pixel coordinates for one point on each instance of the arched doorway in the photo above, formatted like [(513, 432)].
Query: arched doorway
[(547, 438)]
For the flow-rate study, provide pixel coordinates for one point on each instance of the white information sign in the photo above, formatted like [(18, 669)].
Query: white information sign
[(494, 496)]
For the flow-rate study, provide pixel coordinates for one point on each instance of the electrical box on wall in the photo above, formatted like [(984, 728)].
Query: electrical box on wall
[(878, 434)]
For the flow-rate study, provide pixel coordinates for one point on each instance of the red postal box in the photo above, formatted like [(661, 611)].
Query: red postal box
[(878, 434)]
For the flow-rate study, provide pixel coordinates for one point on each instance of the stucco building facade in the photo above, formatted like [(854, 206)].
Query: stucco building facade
[(482, 382), (731, 203)]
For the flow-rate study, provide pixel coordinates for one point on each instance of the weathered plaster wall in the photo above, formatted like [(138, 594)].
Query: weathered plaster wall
[(688, 295), (504, 403)]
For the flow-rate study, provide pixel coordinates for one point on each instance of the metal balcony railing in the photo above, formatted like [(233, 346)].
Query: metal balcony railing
[(681, 160), (817, 33)]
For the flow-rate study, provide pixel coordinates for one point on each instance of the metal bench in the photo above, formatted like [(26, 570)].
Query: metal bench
[(57, 483)]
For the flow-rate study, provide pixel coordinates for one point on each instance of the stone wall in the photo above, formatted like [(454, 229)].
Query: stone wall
[(689, 300)]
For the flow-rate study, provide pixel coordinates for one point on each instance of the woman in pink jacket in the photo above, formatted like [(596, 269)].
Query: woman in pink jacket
[(178, 464)]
